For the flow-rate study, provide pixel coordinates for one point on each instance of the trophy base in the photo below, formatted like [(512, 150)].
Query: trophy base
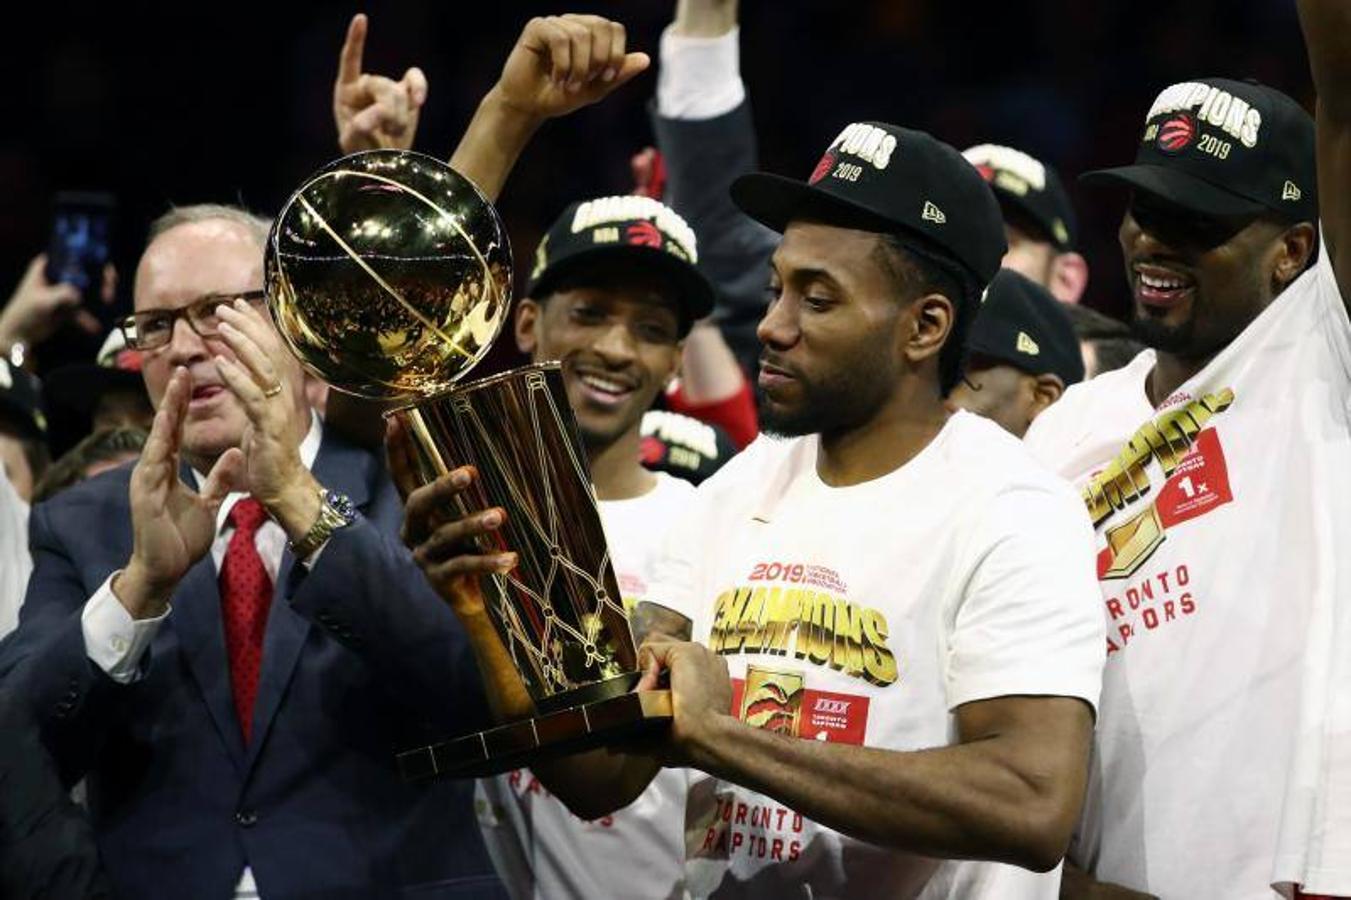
[(518, 744)]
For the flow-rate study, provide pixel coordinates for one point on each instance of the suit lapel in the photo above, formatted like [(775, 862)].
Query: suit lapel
[(201, 636), (342, 468)]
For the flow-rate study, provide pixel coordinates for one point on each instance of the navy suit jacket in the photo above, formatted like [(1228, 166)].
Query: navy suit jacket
[(361, 659), (703, 157)]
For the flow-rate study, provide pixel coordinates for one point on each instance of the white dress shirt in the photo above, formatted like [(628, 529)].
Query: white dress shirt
[(15, 564), (700, 78)]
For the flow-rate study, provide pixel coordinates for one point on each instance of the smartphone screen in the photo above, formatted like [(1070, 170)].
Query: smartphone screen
[(81, 239)]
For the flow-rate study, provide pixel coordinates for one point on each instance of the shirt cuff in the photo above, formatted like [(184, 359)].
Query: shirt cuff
[(113, 640), (699, 78)]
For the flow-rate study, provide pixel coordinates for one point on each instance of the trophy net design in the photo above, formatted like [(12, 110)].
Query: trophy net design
[(389, 276), (559, 611)]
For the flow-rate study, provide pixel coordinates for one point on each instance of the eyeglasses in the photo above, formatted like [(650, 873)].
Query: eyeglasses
[(153, 328)]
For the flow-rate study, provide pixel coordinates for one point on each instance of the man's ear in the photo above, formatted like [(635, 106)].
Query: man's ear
[(932, 317), (528, 315), (1296, 247), (1046, 390), (1069, 277)]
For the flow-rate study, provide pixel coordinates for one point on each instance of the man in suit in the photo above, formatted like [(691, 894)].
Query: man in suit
[(205, 636), (166, 642)]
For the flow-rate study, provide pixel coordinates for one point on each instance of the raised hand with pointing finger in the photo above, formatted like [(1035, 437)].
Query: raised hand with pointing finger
[(372, 111)]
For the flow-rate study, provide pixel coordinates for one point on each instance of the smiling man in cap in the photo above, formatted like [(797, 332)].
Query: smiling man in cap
[(1021, 354), (1214, 469), (612, 295), (891, 666)]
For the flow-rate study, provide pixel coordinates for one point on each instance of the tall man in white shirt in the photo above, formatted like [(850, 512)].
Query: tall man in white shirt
[(915, 667), (1214, 469)]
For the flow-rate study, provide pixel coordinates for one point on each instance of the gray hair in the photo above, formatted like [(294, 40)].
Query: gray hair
[(255, 225)]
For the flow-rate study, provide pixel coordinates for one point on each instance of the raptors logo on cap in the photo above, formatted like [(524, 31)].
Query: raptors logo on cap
[(643, 234), (822, 168), (1177, 133)]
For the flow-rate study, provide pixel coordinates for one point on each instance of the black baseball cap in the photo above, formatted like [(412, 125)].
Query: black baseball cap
[(1225, 149), (624, 227), (1021, 324), (1027, 190), (78, 387), (888, 179), (21, 402), (688, 448)]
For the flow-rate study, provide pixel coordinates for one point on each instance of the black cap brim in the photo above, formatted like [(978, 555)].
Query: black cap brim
[(774, 201), (78, 387), (693, 290), (1177, 187)]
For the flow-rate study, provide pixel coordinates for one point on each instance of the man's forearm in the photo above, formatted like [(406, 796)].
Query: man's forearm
[(492, 143), (963, 801), (1327, 32)]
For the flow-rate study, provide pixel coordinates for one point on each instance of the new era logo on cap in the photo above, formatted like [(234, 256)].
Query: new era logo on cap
[(1291, 191), (1026, 345), (933, 214)]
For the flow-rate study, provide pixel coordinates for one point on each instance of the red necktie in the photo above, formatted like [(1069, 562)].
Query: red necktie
[(246, 595)]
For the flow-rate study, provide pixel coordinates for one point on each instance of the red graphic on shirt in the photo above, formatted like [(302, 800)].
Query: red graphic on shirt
[(1150, 603), (1198, 485), (820, 715)]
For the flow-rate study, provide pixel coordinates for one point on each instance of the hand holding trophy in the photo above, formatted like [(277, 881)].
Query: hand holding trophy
[(389, 276)]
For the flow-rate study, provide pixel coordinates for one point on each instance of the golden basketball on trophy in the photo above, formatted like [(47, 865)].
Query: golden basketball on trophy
[(389, 276)]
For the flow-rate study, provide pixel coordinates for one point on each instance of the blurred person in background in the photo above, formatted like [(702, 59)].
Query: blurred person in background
[(15, 563), (82, 398), (1022, 354), (38, 309), (1105, 343), (103, 450), (24, 456), (1039, 220)]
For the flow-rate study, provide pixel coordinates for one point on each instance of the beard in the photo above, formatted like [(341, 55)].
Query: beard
[(837, 402), (1177, 340)]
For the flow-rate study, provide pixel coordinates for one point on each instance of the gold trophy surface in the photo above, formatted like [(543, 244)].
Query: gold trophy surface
[(389, 276)]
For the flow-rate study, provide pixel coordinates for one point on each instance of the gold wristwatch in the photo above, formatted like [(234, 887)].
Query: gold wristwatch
[(335, 511)]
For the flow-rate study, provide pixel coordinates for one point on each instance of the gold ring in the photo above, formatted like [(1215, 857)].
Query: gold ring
[(273, 391)]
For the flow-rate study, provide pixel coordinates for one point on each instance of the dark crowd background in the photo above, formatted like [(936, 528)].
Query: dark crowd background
[(189, 102)]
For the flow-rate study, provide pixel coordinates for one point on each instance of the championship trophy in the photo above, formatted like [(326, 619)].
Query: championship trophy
[(389, 276)]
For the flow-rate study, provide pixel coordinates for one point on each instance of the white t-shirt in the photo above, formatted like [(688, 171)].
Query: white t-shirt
[(866, 615), (542, 850), (15, 563), (1223, 524)]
